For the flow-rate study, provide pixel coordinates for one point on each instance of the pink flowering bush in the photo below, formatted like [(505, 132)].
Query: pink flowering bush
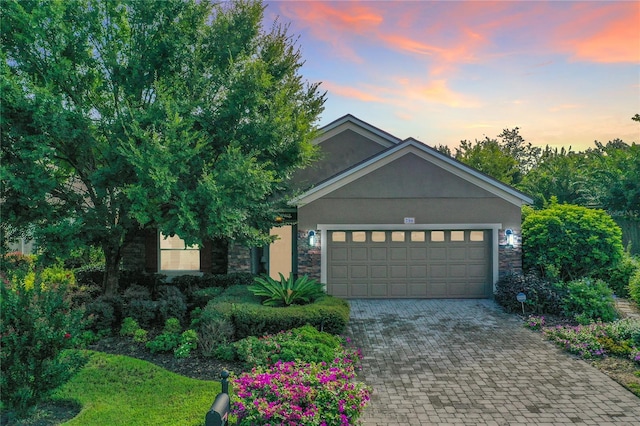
[(298, 393), (535, 322)]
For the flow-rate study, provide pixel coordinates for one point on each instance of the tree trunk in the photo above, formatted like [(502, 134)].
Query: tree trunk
[(111, 270)]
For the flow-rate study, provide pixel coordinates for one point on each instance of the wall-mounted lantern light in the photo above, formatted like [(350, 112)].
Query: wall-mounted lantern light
[(510, 237), (312, 238)]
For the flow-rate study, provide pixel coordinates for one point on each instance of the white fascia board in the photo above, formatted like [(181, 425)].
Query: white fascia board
[(415, 147)]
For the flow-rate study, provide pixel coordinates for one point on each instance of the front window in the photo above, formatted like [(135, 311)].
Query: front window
[(175, 255)]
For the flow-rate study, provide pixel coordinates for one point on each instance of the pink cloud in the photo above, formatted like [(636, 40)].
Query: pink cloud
[(616, 41)]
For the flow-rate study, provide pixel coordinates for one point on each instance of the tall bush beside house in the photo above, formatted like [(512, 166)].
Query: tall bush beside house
[(37, 325), (588, 300), (634, 287), (569, 242), (619, 276)]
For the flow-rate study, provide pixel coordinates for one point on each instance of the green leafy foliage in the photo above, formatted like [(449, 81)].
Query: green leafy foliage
[(114, 124), (287, 291), (620, 275), (37, 324), (588, 300), (634, 287), (250, 318), (304, 344), (568, 242), (129, 327)]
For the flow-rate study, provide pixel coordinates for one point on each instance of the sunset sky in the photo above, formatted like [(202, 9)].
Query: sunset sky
[(567, 73)]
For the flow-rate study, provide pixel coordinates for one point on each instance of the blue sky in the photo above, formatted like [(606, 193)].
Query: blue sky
[(567, 73)]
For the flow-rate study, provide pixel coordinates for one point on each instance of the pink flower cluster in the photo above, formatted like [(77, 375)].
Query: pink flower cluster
[(294, 393)]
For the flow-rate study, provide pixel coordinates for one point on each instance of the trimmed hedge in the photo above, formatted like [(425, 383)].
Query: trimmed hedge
[(250, 318)]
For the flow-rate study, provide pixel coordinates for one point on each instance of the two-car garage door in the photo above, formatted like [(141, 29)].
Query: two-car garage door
[(409, 264)]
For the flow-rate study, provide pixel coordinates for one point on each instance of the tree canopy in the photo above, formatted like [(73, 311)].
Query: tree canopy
[(181, 115)]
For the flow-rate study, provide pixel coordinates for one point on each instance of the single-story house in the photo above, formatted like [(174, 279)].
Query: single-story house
[(380, 217)]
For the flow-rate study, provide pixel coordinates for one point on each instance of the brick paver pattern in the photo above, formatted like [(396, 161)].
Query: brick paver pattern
[(466, 362)]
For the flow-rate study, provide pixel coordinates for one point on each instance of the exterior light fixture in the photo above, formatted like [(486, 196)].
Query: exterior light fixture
[(312, 238), (510, 237)]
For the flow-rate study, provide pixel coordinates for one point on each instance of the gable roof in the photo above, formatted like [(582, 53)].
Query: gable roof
[(411, 146), (349, 122)]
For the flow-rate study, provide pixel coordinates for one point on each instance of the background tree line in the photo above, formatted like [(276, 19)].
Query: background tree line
[(606, 176)]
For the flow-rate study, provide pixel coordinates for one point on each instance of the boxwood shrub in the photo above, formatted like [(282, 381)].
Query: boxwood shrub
[(250, 318)]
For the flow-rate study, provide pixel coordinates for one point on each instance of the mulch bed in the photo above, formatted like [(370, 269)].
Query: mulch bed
[(196, 367)]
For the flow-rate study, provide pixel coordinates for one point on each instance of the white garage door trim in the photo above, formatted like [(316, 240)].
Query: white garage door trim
[(325, 228)]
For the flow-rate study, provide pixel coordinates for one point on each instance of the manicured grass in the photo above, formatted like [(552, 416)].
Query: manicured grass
[(119, 390)]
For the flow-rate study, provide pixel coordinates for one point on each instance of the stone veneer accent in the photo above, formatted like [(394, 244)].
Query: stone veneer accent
[(239, 258), (309, 256), (509, 258)]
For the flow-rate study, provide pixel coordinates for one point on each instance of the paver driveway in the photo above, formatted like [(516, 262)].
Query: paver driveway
[(467, 362)]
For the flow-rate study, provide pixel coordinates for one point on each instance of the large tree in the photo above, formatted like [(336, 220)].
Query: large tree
[(183, 115), (506, 158)]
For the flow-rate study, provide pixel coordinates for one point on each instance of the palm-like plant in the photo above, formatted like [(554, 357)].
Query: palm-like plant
[(287, 291)]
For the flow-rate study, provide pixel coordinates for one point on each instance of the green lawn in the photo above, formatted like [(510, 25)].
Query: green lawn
[(119, 390)]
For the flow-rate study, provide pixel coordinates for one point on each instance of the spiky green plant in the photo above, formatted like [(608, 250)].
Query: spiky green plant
[(286, 291)]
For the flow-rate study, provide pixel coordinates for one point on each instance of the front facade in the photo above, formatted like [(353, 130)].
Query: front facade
[(386, 218)]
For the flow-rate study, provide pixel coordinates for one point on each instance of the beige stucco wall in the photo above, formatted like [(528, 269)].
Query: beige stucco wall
[(409, 187), (337, 154)]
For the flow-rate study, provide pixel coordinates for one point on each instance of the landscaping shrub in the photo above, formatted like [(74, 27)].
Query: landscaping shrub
[(129, 327), (588, 300), (90, 275), (304, 344), (187, 343), (543, 296), (171, 303), (619, 276), (15, 266), (569, 242), (104, 314), (634, 287), (286, 291), (37, 324), (201, 297), (143, 310), (251, 318), (214, 330), (168, 340), (300, 394)]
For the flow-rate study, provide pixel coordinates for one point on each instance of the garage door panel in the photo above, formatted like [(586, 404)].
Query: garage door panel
[(458, 271), (437, 289), (437, 253), (379, 253), (418, 271), (379, 271), (399, 264), (338, 272), (457, 253), (358, 271), (358, 253), (417, 290), (398, 290), (359, 290), (338, 253), (339, 289), (477, 253), (418, 253), (398, 253), (398, 271), (438, 271), (457, 289), (378, 290)]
